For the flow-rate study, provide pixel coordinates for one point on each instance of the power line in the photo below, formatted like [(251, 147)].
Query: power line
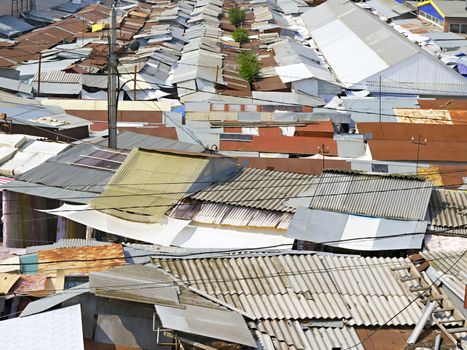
[(422, 294), (216, 252)]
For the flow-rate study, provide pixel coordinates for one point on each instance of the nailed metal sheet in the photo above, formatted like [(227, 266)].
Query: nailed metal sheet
[(275, 335), (389, 196), (217, 324), (257, 188)]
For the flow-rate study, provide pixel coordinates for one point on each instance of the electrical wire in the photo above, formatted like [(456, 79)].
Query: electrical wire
[(410, 303), (235, 251)]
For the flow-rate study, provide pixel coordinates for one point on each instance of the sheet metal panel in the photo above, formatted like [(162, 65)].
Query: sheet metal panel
[(119, 283), (388, 196), (217, 324), (158, 180), (257, 188), (49, 302), (53, 330)]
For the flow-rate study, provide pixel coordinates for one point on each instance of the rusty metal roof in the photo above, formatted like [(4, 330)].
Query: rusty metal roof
[(81, 260)]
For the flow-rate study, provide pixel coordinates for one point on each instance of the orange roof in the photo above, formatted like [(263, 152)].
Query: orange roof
[(80, 260), (439, 151), (405, 131), (450, 104), (271, 140)]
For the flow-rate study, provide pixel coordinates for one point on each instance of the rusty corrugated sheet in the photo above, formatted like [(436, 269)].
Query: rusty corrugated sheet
[(80, 260)]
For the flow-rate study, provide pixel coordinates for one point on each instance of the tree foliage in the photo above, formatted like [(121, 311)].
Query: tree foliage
[(248, 66), (236, 16), (240, 35)]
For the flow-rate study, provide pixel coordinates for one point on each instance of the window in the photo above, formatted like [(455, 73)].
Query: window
[(463, 28), (455, 28), (379, 168)]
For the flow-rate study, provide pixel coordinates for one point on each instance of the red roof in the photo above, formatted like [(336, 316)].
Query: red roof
[(271, 140)]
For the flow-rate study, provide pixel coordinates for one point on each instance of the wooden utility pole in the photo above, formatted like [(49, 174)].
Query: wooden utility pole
[(419, 142), (39, 75), (134, 85), (323, 150)]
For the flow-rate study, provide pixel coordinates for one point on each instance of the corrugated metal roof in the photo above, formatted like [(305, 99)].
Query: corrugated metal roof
[(66, 243), (372, 49), (302, 286), (448, 262), (59, 172), (12, 26), (286, 335), (390, 196), (448, 210), (257, 188), (141, 284), (231, 215), (129, 140), (366, 109), (158, 180), (59, 77)]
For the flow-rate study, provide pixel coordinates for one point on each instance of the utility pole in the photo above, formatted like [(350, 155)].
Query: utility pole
[(134, 85), (112, 75), (323, 150), (419, 142), (39, 73), (380, 98)]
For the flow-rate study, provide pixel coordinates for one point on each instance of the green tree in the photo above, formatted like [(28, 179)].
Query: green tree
[(240, 35), (236, 16), (248, 66)]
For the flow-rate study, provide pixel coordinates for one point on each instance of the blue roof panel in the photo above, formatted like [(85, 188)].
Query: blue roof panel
[(428, 8)]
